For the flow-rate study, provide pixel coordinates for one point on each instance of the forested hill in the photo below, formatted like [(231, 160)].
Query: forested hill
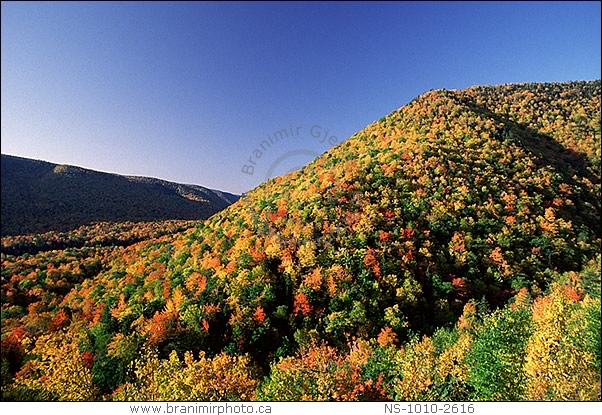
[(448, 251), (38, 196)]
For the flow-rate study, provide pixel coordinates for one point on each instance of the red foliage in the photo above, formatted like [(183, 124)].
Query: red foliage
[(371, 262), (60, 320), (460, 287), (161, 325), (408, 233), (11, 348), (301, 304), (383, 236), (88, 359), (19, 332)]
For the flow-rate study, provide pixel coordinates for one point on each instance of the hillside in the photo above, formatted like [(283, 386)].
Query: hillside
[(38, 196), (448, 251)]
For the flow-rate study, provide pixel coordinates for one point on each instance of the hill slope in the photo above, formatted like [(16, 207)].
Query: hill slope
[(38, 196), (457, 204)]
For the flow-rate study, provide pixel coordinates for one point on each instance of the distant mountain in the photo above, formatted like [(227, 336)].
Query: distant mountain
[(38, 196)]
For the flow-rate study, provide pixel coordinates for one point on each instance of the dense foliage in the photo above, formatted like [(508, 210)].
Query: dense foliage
[(96, 235), (449, 251)]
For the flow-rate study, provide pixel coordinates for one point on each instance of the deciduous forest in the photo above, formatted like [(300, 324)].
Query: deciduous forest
[(448, 251)]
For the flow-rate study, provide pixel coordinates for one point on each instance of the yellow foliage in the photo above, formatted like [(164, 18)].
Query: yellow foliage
[(452, 360), (306, 254), (174, 304), (556, 367), (60, 368), (273, 249), (121, 310), (222, 378), (418, 369)]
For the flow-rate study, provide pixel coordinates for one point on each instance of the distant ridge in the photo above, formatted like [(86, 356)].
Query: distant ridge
[(38, 196)]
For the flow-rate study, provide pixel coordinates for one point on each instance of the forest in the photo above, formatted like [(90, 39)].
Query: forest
[(449, 251)]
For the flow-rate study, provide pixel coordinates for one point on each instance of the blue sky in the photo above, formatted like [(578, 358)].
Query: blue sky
[(188, 91)]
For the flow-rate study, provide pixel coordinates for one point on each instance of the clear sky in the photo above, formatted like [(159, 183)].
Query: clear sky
[(187, 91)]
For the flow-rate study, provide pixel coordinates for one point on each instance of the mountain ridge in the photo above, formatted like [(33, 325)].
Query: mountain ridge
[(453, 203), (39, 196)]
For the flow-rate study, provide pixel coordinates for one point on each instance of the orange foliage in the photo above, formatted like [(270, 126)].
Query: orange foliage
[(313, 280), (387, 337), (301, 304), (371, 262), (196, 283), (60, 320), (468, 318), (160, 326), (259, 315), (383, 236), (460, 287)]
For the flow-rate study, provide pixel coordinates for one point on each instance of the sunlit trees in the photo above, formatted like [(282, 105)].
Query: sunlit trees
[(221, 378), (412, 261), (321, 373), (561, 361), (60, 369), (497, 355)]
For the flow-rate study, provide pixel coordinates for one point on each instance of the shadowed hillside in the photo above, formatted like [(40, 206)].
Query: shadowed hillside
[(38, 196)]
